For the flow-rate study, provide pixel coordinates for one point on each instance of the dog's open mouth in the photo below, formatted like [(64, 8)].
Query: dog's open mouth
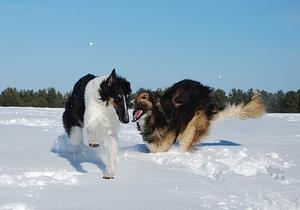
[(136, 115)]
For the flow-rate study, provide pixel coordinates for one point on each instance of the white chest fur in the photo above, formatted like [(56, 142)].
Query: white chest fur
[(99, 117)]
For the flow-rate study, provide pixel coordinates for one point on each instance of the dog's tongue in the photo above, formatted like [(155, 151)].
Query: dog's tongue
[(137, 114)]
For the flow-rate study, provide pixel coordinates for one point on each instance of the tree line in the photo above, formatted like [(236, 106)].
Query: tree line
[(278, 102), (42, 98)]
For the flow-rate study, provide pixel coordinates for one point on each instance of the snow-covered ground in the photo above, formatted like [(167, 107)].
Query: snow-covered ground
[(250, 165)]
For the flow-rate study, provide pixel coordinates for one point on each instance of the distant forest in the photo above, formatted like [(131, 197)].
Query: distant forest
[(279, 102)]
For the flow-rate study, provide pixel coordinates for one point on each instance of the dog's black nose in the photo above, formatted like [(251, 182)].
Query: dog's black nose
[(126, 121)]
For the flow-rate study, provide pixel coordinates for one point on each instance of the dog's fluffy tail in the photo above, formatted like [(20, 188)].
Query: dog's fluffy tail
[(253, 109)]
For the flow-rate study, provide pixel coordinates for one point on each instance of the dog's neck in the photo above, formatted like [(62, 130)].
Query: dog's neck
[(146, 125), (146, 121)]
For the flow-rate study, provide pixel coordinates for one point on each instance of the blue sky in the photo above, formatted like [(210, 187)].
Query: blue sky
[(224, 44)]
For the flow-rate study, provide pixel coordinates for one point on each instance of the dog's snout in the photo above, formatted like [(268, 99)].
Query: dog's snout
[(125, 120), (139, 105), (126, 117)]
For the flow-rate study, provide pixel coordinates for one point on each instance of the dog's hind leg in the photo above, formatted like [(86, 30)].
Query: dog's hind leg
[(75, 135), (196, 129)]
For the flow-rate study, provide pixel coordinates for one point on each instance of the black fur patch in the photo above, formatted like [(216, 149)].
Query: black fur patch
[(190, 96), (178, 105), (114, 87), (75, 107)]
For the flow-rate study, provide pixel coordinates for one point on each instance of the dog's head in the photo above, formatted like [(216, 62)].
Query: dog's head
[(162, 108), (116, 90), (142, 104)]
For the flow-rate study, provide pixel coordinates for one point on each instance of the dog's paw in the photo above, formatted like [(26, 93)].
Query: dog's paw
[(108, 173), (94, 144), (107, 177)]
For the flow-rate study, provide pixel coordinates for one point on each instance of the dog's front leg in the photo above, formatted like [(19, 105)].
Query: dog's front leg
[(91, 136), (112, 154), (91, 122)]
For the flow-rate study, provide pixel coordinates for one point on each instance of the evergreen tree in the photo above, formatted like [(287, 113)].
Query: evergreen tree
[(290, 102), (54, 98), (248, 95), (236, 96), (298, 93), (267, 100), (220, 98), (10, 97), (276, 102), (26, 96), (159, 91)]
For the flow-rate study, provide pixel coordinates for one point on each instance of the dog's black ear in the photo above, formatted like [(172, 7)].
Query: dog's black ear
[(111, 78), (104, 86)]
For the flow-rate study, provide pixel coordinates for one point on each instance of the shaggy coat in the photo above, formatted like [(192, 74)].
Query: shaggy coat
[(184, 113)]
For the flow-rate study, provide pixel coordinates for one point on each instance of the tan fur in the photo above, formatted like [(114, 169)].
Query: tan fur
[(111, 101), (144, 98), (161, 140), (196, 130), (253, 109)]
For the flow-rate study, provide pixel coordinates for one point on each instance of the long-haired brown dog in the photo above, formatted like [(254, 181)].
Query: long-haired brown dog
[(184, 113)]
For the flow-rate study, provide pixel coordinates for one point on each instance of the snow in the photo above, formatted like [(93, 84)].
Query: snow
[(249, 165)]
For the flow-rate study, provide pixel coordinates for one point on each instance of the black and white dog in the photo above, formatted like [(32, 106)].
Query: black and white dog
[(93, 111)]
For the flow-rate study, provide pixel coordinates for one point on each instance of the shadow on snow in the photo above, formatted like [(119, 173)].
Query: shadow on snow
[(220, 143), (78, 154), (81, 153), (142, 148)]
